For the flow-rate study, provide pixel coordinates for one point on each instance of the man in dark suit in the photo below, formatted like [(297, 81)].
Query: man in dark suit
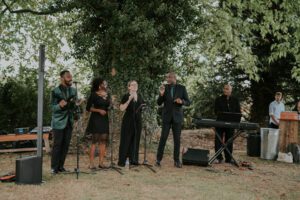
[(173, 96), (63, 104), (225, 103)]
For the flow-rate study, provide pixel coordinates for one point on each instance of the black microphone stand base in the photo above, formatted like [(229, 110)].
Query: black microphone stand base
[(147, 165), (77, 172), (113, 167)]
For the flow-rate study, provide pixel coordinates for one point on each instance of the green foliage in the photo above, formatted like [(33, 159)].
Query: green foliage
[(252, 44), (136, 38), (21, 34), (18, 101)]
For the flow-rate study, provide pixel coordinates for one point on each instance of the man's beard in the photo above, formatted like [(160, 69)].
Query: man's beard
[(68, 83)]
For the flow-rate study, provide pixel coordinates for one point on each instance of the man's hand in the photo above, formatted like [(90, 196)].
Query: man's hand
[(179, 101), (78, 102), (102, 112), (162, 90), (62, 103), (274, 119)]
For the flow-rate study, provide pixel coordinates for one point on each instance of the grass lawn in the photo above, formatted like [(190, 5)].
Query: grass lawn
[(268, 180)]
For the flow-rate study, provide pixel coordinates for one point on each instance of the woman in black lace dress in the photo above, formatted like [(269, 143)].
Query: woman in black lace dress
[(98, 104), (131, 128)]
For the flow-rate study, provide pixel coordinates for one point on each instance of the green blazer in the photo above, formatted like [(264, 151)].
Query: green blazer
[(60, 116)]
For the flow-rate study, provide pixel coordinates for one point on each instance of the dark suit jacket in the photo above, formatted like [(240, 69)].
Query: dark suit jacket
[(60, 116), (171, 110), (222, 104)]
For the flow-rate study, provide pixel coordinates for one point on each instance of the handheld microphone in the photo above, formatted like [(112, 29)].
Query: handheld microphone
[(75, 82), (144, 105), (108, 88)]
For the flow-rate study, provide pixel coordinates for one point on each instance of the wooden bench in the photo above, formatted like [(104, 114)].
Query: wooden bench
[(24, 137)]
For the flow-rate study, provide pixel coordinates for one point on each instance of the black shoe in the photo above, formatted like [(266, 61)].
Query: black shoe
[(134, 163), (121, 164), (157, 164), (231, 161), (54, 171), (178, 164), (63, 170)]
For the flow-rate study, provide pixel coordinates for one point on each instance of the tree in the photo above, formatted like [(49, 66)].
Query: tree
[(253, 44), (18, 101), (256, 43), (24, 25), (135, 38)]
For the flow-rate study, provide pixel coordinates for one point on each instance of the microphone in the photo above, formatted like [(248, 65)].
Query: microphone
[(108, 88), (141, 107), (109, 91)]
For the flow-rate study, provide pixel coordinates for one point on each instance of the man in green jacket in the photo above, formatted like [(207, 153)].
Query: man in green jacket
[(63, 102)]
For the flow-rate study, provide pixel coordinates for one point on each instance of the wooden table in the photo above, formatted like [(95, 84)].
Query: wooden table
[(24, 137)]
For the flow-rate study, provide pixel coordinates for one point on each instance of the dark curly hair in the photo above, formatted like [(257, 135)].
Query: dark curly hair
[(96, 83)]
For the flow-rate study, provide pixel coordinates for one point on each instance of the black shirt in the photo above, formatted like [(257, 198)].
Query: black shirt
[(224, 104)]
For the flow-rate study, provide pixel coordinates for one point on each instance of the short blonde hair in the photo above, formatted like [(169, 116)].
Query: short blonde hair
[(129, 82)]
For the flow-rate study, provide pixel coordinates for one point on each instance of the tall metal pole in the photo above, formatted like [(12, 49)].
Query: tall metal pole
[(40, 100)]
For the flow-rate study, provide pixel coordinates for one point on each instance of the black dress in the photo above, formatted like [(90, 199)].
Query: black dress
[(131, 131), (98, 124)]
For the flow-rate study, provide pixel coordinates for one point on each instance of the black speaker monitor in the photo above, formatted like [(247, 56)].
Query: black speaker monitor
[(196, 157), (29, 170)]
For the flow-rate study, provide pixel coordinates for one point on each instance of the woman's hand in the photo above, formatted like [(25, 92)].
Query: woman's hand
[(131, 96), (102, 112), (125, 105), (102, 94), (135, 96)]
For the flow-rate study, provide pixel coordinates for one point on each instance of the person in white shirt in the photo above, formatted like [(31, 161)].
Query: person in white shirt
[(275, 108)]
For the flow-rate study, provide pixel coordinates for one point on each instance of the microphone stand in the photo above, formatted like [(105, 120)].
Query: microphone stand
[(112, 165), (78, 128), (145, 162)]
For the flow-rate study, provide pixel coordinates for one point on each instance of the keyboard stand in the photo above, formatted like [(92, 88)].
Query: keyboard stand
[(224, 147)]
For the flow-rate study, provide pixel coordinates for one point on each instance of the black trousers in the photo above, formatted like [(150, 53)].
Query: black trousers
[(176, 129), (129, 147), (272, 125), (228, 133), (61, 142)]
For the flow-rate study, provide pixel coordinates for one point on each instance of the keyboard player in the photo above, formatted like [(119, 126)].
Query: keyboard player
[(225, 103)]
